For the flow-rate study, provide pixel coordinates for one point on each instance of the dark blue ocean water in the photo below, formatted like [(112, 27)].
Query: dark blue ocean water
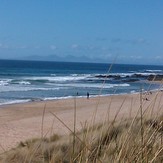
[(22, 81)]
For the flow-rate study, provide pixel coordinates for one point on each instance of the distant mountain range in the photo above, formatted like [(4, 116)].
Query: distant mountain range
[(84, 58), (68, 58)]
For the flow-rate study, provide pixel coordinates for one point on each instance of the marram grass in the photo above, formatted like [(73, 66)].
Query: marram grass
[(108, 142)]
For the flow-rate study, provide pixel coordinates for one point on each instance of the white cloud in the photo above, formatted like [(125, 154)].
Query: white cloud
[(89, 47), (136, 57), (74, 46), (159, 57), (141, 40), (37, 47), (133, 41), (53, 47), (3, 46), (22, 47)]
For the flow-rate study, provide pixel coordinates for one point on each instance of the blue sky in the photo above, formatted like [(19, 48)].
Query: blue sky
[(100, 30)]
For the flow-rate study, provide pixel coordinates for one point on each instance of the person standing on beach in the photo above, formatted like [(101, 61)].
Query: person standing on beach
[(87, 95)]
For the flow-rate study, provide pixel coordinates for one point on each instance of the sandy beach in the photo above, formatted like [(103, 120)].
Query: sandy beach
[(19, 122)]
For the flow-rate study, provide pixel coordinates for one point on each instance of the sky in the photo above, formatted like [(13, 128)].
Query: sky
[(122, 31)]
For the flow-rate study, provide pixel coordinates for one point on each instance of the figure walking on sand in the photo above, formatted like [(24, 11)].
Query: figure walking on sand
[(87, 95)]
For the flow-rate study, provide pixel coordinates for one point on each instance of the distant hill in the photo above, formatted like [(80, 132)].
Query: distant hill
[(67, 58)]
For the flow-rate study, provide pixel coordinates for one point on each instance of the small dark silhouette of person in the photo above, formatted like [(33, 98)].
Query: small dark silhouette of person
[(147, 99), (87, 95), (77, 93)]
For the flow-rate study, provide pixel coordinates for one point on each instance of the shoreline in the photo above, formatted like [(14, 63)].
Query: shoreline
[(3, 106), (20, 122), (72, 97), (69, 98), (33, 98)]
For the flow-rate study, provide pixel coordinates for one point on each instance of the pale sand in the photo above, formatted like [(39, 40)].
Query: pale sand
[(24, 121)]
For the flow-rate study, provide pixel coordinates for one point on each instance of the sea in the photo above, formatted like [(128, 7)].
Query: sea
[(25, 81)]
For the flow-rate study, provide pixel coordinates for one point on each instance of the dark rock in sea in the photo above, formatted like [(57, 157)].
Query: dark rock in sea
[(108, 76), (117, 77), (138, 75), (130, 80), (103, 76), (133, 78), (100, 76), (155, 77), (127, 76)]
